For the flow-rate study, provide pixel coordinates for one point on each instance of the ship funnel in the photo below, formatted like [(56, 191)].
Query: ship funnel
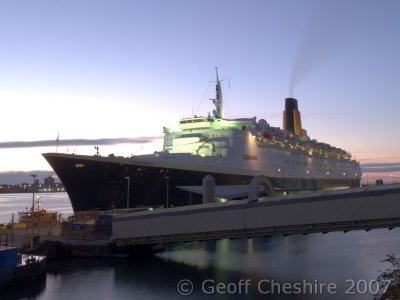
[(291, 117)]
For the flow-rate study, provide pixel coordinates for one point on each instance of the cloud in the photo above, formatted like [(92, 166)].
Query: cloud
[(381, 167), (78, 142)]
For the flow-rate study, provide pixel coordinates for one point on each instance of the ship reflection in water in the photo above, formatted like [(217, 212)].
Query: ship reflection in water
[(336, 258)]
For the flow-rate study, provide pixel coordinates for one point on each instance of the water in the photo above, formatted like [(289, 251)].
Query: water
[(12, 203), (345, 261)]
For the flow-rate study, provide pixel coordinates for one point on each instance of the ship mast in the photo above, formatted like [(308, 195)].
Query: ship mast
[(218, 111)]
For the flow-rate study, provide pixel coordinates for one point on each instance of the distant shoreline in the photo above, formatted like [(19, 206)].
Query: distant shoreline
[(38, 192)]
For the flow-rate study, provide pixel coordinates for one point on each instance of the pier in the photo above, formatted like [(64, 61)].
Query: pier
[(119, 233), (362, 208)]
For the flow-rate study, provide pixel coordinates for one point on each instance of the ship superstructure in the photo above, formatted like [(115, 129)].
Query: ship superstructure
[(233, 151)]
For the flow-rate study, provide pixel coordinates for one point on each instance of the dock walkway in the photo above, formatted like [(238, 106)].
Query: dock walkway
[(363, 208)]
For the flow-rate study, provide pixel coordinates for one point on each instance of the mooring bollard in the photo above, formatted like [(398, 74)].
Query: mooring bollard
[(208, 189)]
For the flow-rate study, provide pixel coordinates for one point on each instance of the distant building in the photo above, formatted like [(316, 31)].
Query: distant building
[(49, 186), (49, 181)]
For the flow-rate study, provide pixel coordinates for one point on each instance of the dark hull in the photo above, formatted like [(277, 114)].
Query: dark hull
[(23, 274), (101, 184)]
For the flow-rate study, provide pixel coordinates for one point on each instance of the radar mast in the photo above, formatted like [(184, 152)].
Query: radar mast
[(218, 111)]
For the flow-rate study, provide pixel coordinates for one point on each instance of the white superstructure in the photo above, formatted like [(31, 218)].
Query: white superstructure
[(254, 147)]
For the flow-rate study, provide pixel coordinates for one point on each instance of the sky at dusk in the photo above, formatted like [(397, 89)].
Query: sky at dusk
[(111, 70)]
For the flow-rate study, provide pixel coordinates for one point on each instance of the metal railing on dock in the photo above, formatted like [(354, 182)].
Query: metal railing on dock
[(89, 225), (6, 239), (20, 236), (92, 225)]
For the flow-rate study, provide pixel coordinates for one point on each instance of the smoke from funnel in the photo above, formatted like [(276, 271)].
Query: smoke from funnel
[(309, 59), (325, 33)]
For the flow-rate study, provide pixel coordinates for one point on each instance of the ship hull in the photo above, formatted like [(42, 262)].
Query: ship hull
[(101, 183)]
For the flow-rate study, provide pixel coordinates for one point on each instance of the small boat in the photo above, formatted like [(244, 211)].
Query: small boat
[(16, 268), (40, 215)]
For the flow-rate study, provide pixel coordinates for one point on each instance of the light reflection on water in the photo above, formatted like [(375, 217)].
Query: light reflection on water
[(12, 203), (329, 258)]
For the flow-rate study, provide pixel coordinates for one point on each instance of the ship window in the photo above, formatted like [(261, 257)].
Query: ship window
[(188, 135)]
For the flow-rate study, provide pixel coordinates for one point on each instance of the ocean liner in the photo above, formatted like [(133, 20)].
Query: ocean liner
[(232, 151)]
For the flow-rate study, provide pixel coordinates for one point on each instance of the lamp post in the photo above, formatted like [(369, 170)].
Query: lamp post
[(167, 178), (329, 178), (281, 176), (127, 197), (33, 204), (366, 176)]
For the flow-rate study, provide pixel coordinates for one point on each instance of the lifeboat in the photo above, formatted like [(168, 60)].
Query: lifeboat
[(266, 135)]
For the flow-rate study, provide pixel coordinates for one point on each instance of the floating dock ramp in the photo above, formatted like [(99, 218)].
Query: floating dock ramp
[(361, 208)]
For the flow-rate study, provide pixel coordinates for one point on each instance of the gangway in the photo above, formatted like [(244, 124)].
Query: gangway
[(362, 208)]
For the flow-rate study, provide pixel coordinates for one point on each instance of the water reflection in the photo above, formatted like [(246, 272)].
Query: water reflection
[(330, 258), (29, 290)]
